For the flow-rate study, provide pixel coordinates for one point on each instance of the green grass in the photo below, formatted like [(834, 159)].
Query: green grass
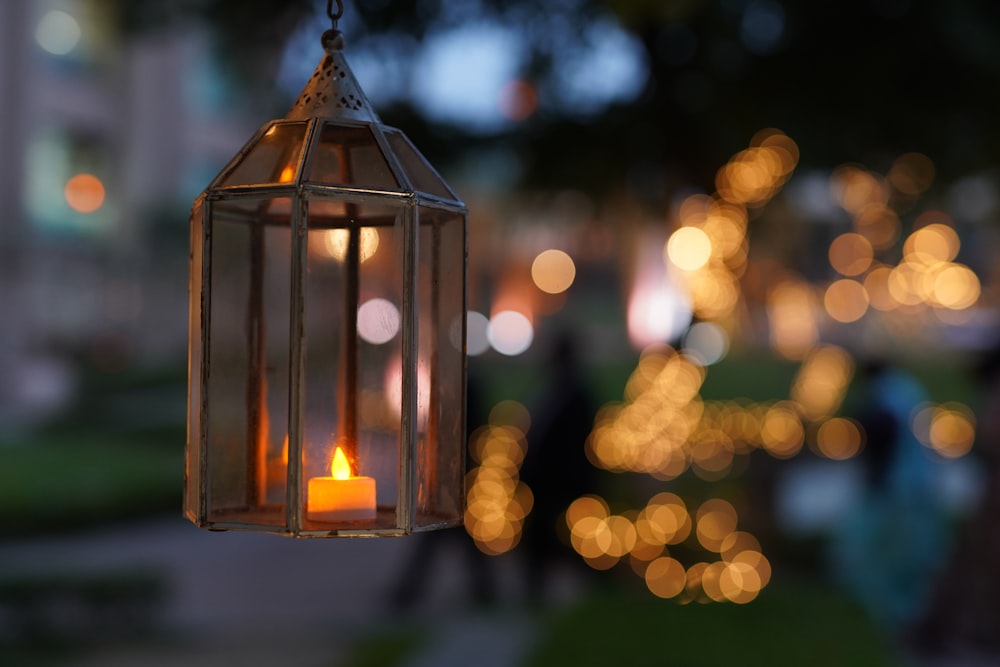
[(792, 623), (788, 625)]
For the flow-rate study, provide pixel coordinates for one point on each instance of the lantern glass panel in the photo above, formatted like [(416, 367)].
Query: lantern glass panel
[(421, 174), (274, 158), (441, 368), (248, 359), (352, 370), (348, 155)]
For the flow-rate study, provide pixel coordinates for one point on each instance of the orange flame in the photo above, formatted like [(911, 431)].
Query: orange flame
[(340, 468)]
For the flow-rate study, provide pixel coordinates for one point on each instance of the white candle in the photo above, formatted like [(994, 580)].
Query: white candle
[(342, 496)]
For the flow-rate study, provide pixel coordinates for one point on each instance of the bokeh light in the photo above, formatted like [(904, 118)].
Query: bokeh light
[(378, 321), (58, 32), (510, 333), (553, 271), (84, 193), (839, 438), (782, 433), (665, 577), (791, 310), (911, 174), (518, 100), (716, 520), (949, 429), (879, 224), (706, 343), (821, 382), (851, 254), (689, 248), (336, 242), (497, 502), (477, 338), (846, 300)]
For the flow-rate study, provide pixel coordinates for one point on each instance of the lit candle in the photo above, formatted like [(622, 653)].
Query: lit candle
[(342, 496)]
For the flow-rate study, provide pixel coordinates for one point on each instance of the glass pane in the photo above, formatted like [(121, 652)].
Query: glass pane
[(353, 299), (273, 159), (192, 477), (441, 368), (347, 155), (422, 176), (249, 363)]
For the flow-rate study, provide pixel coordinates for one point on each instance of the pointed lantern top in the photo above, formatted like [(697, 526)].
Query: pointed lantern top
[(332, 92)]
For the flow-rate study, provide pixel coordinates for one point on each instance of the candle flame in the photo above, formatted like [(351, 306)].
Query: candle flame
[(287, 174), (340, 468)]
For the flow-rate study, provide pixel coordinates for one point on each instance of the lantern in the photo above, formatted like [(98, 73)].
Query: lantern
[(327, 328)]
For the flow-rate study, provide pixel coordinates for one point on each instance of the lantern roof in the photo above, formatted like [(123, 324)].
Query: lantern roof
[(329, 126), (332, 92)]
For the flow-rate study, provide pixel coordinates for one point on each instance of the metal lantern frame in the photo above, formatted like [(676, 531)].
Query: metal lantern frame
[(279, 196)]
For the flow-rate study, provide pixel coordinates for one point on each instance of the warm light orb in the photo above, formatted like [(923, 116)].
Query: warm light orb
[(339, 467), (851, 254), (935, 242), (846, 300), (948, 429), (335, 242), (956, 287), (839, 438), (84, 193), (689, 248), (665, 577), (553, 271)]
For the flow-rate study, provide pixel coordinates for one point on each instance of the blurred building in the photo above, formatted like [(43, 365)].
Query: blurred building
[(106, 138)]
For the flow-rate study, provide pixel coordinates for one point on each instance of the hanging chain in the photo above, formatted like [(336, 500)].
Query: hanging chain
[(334, 16)]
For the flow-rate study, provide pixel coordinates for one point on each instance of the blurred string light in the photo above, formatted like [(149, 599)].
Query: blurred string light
[(925, 279), (497, 501), (663, 427), (709, 246), (644, 538)]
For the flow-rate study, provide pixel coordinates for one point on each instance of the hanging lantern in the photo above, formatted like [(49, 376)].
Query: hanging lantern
[(327, 340)]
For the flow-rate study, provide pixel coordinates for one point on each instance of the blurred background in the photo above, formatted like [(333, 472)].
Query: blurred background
[(733, 311)]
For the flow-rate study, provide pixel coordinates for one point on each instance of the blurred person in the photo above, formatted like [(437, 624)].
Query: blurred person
[(556, 468), (965, 609), (888, 548)]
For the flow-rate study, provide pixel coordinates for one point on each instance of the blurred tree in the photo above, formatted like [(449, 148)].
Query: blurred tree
[(852, 80)]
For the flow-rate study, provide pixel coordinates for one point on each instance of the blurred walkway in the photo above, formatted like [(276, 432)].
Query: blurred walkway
[(249, 599)]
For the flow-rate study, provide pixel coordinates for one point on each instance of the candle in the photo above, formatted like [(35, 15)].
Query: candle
[(342, 496)]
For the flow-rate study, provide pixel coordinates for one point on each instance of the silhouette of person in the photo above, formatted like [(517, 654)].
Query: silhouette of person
[(556, 468), (888, 548), (966, 604)]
